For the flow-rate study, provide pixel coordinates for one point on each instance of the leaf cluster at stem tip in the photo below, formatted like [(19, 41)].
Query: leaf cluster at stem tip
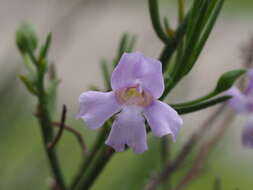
[(188, 39), (36, 65)]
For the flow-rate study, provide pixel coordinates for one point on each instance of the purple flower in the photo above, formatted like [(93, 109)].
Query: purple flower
[(242, 102), (137, 83)]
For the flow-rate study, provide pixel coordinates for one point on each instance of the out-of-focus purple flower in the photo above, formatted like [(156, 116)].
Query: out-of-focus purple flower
[(247, 134), (137, 83), (242, 102)]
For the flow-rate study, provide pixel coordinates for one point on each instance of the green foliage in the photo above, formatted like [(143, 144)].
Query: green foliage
[(199, 28), (28, 84), (227, 80), (26, 38), (155, 19), (201, 105), (45, 47), (126, 45), (198, 24), (106, 74)]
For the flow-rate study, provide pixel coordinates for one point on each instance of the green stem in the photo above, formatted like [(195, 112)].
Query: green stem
[(202, 105), (95, 168), (180, 10), (47, 132), (165, 157), (165, 149), (155, 19), (170, 48), (106, 74), (85, 165), (196, 101)]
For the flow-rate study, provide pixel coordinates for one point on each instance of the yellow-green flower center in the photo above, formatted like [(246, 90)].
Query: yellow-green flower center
[(133, 96)]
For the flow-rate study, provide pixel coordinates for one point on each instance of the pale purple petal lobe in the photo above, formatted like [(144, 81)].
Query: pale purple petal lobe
[(97, 107), (247, 134), (239, 102), (249, 89), (136, 69), (128, 129), (163, 119)]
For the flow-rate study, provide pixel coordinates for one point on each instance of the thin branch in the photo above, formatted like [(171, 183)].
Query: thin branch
[(204, 151), (60, 132), (76, 133), (71, 130)]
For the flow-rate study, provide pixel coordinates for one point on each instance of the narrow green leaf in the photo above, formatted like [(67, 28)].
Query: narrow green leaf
[(28, 84), (170, 48), (29, 65), (42, 66), (155, 19), (203, 105), (126, 44), (44, 49), (202, 40), (197, 37), (122, 45), (106, 74), (192, 38), (196, 101), (196, 17), (181, 9), (131, 43), (224, 83), (52, 94), (227, 80)]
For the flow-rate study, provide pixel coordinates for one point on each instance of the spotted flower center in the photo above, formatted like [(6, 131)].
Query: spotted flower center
[(133, 96)]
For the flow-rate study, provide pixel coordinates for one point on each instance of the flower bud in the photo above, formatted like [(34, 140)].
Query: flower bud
[(26, 38)]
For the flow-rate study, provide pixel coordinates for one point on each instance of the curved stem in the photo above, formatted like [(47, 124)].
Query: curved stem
[(155, 19), (60, 132), (76, 133)]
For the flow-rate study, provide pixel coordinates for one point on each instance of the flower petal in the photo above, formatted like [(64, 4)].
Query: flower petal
[(249, 89), (97, 107), (247, 134), (128, 129), (134, 69), (239, 102), (163, 119)]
